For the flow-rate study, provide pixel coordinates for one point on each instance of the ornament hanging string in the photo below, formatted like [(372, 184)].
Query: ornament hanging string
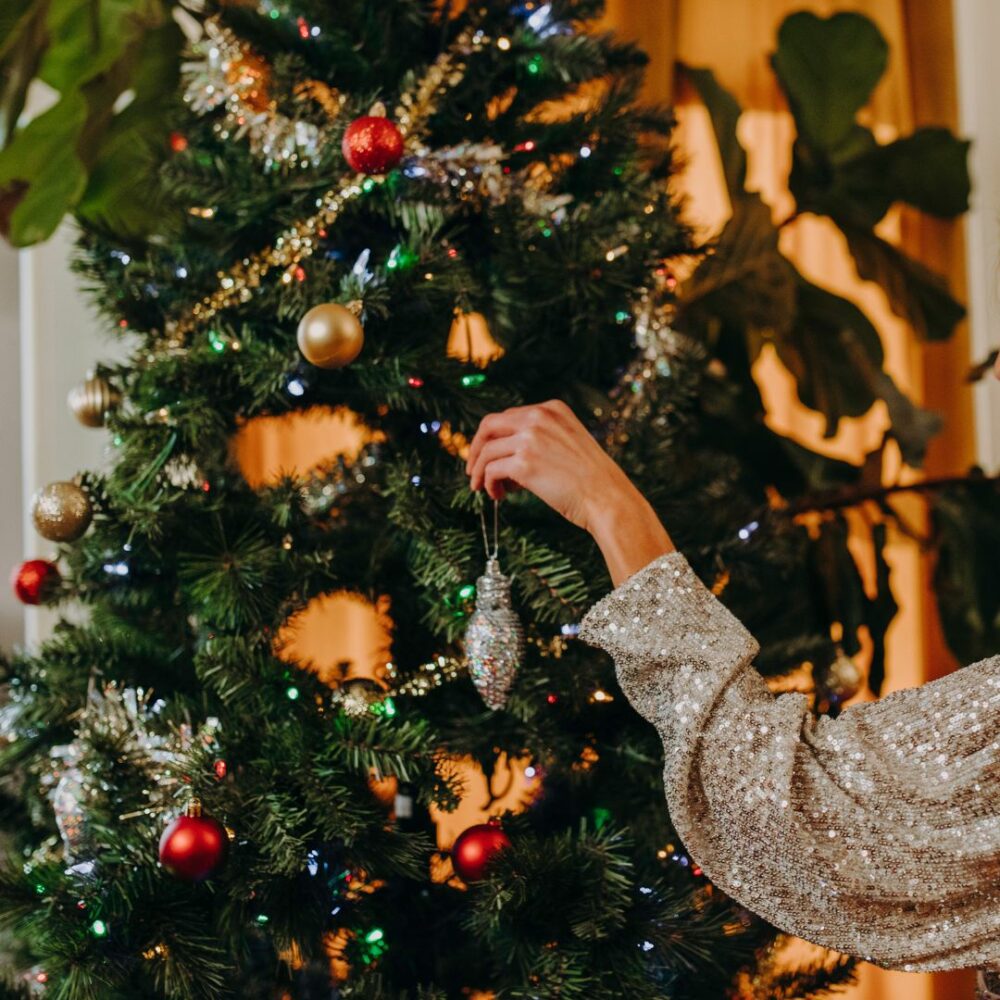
[(496, 530)]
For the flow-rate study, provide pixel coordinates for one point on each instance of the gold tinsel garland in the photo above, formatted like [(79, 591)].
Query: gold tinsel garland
[(297, 244)]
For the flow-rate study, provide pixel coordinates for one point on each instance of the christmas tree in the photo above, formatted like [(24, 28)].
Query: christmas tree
[(195, 813)]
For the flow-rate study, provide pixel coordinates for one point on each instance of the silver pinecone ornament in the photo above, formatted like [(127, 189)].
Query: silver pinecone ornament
[(494, 640)]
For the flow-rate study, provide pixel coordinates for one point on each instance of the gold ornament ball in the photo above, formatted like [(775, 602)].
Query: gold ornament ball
[(841, 680), (61, 512), (91, 400), (330, 336)]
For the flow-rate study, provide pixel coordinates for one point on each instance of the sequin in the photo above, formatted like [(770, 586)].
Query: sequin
[(876, 833)]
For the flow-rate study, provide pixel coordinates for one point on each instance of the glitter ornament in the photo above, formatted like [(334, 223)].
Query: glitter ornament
[(840, 681), (61, 511), (494, 640), (92, 400), (34, 580), (476, 848), (330, 335), (372, 145), (193, 846)]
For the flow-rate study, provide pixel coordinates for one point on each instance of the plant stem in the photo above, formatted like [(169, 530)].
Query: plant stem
[(854, 497)]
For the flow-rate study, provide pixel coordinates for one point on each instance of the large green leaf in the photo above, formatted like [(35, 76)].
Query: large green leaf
[(744, 281), (840, 581), (927, 170), (828, 68), (823, 187), (967, 574), (89, 36), (44, 156), (725, 114), (910, 425), (915, 292), (814, 351), (121, 193)]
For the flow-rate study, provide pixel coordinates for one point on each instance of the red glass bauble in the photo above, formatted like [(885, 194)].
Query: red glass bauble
[(193, 847), (475, 848), (34, 580), (372, 145)]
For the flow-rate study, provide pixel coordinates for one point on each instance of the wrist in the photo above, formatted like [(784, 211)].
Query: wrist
[(627, 530)]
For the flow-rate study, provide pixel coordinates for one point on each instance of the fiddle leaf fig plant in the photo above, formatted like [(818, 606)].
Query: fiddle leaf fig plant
[(84, 88), (746, 293)]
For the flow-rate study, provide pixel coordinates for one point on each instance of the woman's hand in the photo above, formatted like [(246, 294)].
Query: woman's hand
[(546, 450)]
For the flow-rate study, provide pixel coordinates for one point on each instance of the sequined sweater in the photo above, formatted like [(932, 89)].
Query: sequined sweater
[(876, 833)]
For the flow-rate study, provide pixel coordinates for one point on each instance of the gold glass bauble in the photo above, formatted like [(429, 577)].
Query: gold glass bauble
[(61, 512), (91, 400), (330, 336)]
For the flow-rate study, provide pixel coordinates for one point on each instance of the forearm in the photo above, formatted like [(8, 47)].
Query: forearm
[(627, 531)]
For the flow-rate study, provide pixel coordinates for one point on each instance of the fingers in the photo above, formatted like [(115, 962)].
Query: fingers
[(503, 476), (492, 426), (491, 451), (515, 419)]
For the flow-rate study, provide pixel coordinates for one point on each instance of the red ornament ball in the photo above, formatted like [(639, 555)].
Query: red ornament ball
[(34, 580), (475, 848), (192, 847), (372, 145)]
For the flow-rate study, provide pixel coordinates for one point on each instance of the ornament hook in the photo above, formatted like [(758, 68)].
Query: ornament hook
[(496, 530)]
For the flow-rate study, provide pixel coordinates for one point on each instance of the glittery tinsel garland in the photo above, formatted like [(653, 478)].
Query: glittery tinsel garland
[(411, 115)]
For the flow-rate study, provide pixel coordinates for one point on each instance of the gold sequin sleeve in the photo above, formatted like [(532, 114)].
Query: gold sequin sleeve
[(876, 833)]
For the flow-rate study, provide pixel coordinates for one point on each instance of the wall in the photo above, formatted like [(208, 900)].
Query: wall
[(11, 546), (977, 28)]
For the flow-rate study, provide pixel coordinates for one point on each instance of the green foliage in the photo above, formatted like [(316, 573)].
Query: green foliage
[(966, 577), (828, 68), (85, 154)]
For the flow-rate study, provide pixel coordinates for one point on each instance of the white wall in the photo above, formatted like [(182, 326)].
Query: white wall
[(11, 545), (977, 31)]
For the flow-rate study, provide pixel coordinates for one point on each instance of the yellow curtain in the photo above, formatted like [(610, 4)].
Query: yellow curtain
[(734, 38)]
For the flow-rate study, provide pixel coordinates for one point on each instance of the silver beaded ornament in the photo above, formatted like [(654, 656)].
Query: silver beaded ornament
[(494, 640)]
